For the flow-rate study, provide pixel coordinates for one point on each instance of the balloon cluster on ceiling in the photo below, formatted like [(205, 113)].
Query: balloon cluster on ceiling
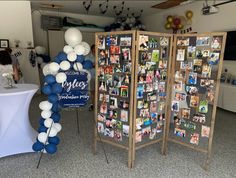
[(72, 57), (178, 22)]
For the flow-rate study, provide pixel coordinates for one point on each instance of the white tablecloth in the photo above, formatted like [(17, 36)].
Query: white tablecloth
[(16, 134), (227, 97)]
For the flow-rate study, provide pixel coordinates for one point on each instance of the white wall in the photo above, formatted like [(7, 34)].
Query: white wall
[(222, 21), (40, 36), (16, 22)]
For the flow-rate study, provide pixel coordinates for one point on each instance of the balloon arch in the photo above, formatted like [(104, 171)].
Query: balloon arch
[(72, 58)]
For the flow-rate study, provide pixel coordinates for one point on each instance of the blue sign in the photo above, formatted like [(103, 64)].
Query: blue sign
[(75, 90)]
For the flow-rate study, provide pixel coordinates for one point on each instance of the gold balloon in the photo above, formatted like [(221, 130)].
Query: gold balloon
[(183, 20), (169, 19), (189, 14), (167, 26), (180, 26)]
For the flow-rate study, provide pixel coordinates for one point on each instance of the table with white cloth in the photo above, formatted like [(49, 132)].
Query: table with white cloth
[(16, 133), (227, 97)]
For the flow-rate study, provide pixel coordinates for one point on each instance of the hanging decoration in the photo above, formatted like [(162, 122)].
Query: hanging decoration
[(178, 23), (87, 4), (55, 79), (103, 7)]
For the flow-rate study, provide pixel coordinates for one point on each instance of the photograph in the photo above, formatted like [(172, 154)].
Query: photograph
[(153, 133), (127, 67), (203, 41), (114, 91), (198, 117), (124, 115), (199, 54), (102, 86), (194, 138), (185, 113), (139, 123), (164, 41), (114, 49), (103, 108), (180, 96), (141, 79), (164, 52), (109, 132), (155, 55), (192, 78), (144, 113), (197, 62), (124, 104), (108, 70), (127, 79), (205, 53), (113, 103), (194, 101), (149, 87), (162, 64), (206, 71), (161, 117), (153, 106), (150, 66), (191, 90), (159, 127), (190, 126), (151, 96), (115, 59), (101, 117), (186, 65), (147, 121), (144, 57), (179, 75), (154, 117), (140, 104), (124, 91), (126, 55), (183, 42), (180, 132), (111, 40), (153, 43), (203, 106), (178, 86), (118, 135), (175, 106), (126, 130), (207, 83), (191, 51), (205, 132), (146, 131), (210, 95), (125, 41), (180, 55), (161, 87), (140, 91), (138, 136), (177, 121), (143, 42), (216, 43), (104, 98), (100, 128), (112, 114), (214, 58), (101, 42)]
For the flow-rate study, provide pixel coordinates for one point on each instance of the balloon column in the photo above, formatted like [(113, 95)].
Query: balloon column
[(179, 22), (72, 57), (41, 57)]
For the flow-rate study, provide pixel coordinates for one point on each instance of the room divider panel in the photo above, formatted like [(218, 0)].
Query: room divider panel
[(145, 95), (196, 69)]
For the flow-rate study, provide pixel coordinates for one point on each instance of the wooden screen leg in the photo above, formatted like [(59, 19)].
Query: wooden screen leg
[(130, 161)]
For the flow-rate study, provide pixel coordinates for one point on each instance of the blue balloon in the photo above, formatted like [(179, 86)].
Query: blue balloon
[(51, 148), (55, 107), (54, 140), (53, 98), (61, 56), (42, 128), (57, 88), (41, 121), (50, 79), (87, 64), (38, 146), (46, 89), (80, 58), (56, 117)]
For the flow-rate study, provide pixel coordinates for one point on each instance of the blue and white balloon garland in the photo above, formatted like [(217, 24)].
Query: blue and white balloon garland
[(73, 56)]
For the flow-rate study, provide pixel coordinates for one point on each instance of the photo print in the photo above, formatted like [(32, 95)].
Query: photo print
[(186, 65), (179, 75), (146, 131), (164, 41), (180, 132), (161, 117), (139, 123), (113, 103), (126, 55), (150, 66), (124, 91), (127, 79), (194, 101), (109, 132), (198, 117), (216, 43), (210, 95), (147, 121), (111, 40), (177, 121), (190, 126), (191, 90), (180, 96), (161, 96), (194, 138), (144, 113), (100, 73), (125, 41), (126, 130), (203, 106), (192, 78), (191, 52), (108, 70), (153, 133), (100, 128), (185, 113), (102, 86), (138, 136), (205, 132), (154, 116), (127, 67), (155, 55), (115, 59), (140, 104), (161, 87), (199, 53), (145, 104), (109, 80), (164, 52), (114, 91), (149, 87), (112, 114), (178, 86), (159, 127), (162, 64), (163, 74), (206, 53), (183, 42), (153, 106), (114, 49), (207, 83), (103, 98), (175, 106), (101, 42), (109, 123), (118, 135), (140, 91), (103, 108), (206, 71), (214, 58), (180, 55), (144, 57), (151, 96), (149, 76), (203, 41), (124, 115), (143, 42), (153, 43), (101, 117), (141, 79), (124, 104)]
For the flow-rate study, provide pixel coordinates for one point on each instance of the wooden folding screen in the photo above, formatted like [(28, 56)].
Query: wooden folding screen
[(196, 69)]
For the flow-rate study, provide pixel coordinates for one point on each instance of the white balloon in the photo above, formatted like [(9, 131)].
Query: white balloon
[(46, 114), (39, 59), (53, 132), (46, 70), (57, 126), (67, 49), (86, 48), (79, 49), (72, 56), (42, 137), (40, 50), (45, 105), (61, 77), (77, 66), (54, 67), (65, 65), (73, 37), (48, 122)]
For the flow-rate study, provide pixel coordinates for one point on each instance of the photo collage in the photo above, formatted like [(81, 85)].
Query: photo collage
[(151, 87), (114, 83), (195, 75)]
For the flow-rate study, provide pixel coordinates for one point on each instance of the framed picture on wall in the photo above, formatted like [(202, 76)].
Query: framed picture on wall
[(4, 43)]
